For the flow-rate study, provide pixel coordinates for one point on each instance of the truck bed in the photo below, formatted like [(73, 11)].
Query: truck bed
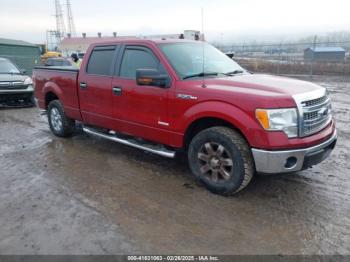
[(56, 81)]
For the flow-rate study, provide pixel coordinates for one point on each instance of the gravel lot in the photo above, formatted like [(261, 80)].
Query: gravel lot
[(89, 196)]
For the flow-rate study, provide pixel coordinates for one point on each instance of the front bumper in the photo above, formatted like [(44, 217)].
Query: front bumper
[(286, 161), (8, 95)]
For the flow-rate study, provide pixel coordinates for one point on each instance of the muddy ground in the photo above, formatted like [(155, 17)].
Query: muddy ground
[(89, 196)]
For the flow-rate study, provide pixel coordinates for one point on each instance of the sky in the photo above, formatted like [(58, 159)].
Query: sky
[(224, 20)]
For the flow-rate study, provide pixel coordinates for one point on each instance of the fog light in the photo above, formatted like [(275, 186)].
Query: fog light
[(291, 162)]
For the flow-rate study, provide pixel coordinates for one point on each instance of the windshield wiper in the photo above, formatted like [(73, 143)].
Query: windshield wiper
[(234, 72), (201, 75)]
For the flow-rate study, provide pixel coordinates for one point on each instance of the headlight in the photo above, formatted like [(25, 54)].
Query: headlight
[(284, 119), (28, 81)]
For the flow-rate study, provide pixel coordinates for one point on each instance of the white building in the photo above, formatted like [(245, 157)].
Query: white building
[(71, 45)]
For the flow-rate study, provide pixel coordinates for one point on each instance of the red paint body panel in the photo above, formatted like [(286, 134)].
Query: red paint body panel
[(61, 83), (158, 114)]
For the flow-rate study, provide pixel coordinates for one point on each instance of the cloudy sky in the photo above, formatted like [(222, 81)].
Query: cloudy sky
[(223, 19)]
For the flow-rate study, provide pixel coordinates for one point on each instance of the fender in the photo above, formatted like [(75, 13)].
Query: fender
[(238, 118), (52, 87), (70, 103)]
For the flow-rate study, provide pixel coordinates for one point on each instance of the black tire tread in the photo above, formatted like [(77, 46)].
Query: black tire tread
[(244, 148), (245, 151)]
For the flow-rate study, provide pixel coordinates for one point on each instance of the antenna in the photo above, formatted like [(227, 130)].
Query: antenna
[(203, 80)]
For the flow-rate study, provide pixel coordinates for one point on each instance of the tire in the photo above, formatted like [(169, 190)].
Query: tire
[(221, 159), (59, 123)]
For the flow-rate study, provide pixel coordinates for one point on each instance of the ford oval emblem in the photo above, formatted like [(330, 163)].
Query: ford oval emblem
[(323, 111)]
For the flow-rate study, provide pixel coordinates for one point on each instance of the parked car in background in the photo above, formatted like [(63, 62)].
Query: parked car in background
[(16, 88), (58, 61)]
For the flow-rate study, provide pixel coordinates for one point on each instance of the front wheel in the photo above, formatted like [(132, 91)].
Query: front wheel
[(60, 124), (221, 159)]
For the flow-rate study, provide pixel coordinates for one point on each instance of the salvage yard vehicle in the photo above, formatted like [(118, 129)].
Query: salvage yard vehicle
[(16, 88), (179, 95), (58, 61)]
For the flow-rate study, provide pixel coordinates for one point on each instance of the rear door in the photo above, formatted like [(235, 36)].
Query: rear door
[(95, 86), (142, 110)]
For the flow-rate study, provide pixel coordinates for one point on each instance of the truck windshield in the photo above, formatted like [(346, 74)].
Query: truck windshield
[(6, 67), (187, 60)]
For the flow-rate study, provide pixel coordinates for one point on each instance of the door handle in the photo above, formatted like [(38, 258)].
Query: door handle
[(117, 91), (83, 85)]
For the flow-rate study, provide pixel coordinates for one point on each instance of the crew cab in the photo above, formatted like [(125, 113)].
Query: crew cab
[(166, 96)]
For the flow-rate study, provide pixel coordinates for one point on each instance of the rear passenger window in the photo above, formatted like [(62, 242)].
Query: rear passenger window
[(134, 59), (101, 60)]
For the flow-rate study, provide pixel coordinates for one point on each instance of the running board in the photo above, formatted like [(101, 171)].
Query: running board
[(130, 142)]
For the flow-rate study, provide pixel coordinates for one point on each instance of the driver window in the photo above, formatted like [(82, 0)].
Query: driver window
[(134, 59)]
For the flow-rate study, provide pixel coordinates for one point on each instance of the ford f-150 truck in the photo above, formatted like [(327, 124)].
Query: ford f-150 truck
[(166, 96)]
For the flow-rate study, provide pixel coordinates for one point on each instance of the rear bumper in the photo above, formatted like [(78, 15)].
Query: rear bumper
[(286, 161)]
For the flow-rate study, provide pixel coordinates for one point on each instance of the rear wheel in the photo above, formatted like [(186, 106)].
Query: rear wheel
[(221, 159), (60, 124)]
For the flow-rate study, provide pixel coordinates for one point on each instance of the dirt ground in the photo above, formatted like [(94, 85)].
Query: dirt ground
[(89, 196)]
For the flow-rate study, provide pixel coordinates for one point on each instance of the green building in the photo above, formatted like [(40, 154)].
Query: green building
[(24, 55)]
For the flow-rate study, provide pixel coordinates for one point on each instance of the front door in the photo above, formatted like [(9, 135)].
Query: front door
[(142, 110)]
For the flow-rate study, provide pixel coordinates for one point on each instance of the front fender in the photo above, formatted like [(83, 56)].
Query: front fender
[(244, 121)]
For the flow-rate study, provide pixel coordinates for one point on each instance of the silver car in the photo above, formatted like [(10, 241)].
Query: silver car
[(16, 88)]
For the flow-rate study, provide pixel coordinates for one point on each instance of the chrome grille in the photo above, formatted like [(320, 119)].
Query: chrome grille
[(314, 101), (316, 115), (6, 85)]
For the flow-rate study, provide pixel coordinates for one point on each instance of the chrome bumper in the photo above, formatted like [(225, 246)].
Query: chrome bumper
[(272, 162), (28, 90)]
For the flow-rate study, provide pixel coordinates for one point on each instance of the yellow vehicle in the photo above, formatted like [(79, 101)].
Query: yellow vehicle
[(45, 54)]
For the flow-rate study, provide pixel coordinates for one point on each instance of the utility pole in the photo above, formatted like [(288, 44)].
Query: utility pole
[(70, 20)]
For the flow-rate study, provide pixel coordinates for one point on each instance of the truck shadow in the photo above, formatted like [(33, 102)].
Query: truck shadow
[(266, 186)]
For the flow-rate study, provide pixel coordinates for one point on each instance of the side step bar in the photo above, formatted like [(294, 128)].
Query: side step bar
[(129, 142)]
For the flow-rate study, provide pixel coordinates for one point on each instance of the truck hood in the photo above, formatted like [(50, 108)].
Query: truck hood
[(267, 85), (12, 78)]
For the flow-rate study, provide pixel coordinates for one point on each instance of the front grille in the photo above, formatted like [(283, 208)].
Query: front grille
[(315, 101), (310, 116), (316, 115), (12, 85)]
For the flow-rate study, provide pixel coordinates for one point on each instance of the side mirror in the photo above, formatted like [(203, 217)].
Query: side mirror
[(152, 77), (23, 71)]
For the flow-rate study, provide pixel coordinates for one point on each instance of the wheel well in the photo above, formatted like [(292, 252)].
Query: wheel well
[(204, 123), (50, 97)]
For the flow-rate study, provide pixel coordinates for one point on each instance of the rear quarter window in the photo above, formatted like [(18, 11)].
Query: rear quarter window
[(101, 61)]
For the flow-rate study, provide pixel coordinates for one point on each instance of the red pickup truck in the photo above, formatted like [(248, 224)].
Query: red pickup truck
[(164, 96)]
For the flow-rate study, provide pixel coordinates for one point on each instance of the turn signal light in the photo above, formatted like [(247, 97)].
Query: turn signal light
[(263, 118)]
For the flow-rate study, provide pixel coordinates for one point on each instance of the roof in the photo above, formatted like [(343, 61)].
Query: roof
[(326, 49), (5, 41)]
